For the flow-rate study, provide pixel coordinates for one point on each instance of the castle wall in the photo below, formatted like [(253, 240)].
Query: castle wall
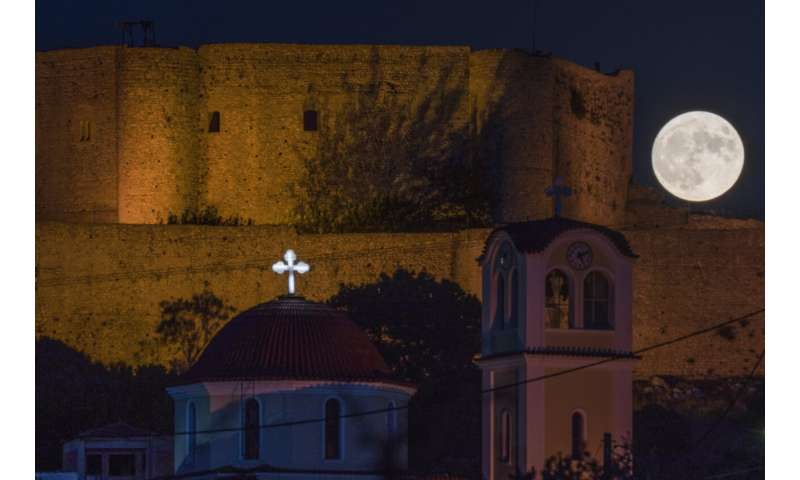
[(76, 179), (160, 149), (593, 130), (537, 117), (511, 94), (687, 278), (99, 286), (262, 90), (153, 153)]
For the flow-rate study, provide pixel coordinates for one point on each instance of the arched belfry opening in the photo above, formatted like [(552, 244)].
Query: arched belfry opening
[(557, 293)]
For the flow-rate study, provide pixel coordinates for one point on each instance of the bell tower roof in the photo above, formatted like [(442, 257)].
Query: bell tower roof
[(536, 235)]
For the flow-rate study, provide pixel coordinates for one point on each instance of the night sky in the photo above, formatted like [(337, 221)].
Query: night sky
[(687, 55)]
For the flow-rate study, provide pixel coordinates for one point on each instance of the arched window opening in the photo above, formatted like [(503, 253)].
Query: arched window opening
[(213, 122), (191, 427), (513, 321), (391, 419), (500, 310), (596, 302), (252, 428), (558, 300), (333, 429), (578, 436), (505, 436), (310, 120)]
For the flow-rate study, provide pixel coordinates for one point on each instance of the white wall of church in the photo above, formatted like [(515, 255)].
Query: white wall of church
[(301, 446)]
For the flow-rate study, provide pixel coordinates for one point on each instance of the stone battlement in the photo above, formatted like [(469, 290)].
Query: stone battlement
[(130, 135)]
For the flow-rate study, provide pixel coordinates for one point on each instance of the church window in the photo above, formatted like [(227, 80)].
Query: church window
[(191, 427), (608, 448), (333, 429), (391, 419), (557, 300), (94, 464), (578, 435), (505, 436), (86, 130), (120, 465), (252, 429), (213, 122), (596, 301), (512, 319), (310, 120), (500, 310)]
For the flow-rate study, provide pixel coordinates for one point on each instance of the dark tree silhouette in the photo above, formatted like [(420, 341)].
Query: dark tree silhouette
[(187, 325), (385, 161), (74, 394), (428, 331), (564, 467)]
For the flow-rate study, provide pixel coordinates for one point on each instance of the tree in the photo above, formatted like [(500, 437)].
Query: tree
[(428, 331), (188, 325), (387, 161), (424, 328), (562, 467)]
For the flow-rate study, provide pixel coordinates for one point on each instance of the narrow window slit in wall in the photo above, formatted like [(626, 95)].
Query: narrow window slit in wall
[(213, 122), (310, 120), (86, 131)]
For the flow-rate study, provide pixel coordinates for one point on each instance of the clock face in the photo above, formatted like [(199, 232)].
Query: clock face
[(579, 255)]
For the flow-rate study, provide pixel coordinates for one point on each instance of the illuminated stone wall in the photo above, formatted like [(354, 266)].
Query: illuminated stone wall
[(153, 153), (76, 179), (99, 286)]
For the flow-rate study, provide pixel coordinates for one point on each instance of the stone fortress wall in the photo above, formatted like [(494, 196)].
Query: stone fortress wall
[(99, 286), (150, 152)]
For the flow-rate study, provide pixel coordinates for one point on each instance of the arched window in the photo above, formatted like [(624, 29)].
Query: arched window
[(513, 321), (333, 429), (578, 435), (505, 436), (191, 427), (596, 302), (500, 311), (557, 293), (391, 420), (252, 429)]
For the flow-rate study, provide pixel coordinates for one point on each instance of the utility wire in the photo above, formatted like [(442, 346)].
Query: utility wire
[(502, 387), (260, 263), (636, 352), (735, 399)]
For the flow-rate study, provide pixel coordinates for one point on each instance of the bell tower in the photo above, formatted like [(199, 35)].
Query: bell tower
[(556, 295)]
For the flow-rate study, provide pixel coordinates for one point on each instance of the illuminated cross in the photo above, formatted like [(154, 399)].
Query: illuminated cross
[(288, 265), (557, 190)]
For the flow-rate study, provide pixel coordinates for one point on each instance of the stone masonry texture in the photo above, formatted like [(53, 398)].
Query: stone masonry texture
[(123, 140)]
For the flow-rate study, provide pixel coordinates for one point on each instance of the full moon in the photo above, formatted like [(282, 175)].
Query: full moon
[(698, 156)]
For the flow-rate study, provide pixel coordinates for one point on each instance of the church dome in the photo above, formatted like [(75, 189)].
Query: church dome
[(290, 338)]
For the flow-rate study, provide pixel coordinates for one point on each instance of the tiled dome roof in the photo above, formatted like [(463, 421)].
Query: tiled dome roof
[(290, 338)]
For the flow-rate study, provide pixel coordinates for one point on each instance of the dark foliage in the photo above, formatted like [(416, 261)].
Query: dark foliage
[(187, 325), (385, 163), (563, 467), (74, 394), (428, 331), (207, 216)]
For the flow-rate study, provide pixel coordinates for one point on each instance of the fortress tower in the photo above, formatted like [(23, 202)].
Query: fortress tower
[(130, 135)]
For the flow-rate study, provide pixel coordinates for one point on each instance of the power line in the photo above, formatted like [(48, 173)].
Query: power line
[(529, 380), (636, 352), (735, 472), (251, 263)]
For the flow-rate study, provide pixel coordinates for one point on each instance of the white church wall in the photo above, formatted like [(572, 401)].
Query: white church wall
[(298, 446)]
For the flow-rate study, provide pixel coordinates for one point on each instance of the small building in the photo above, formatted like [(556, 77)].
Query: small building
[(291, 389), (556, 297), (118, 452)]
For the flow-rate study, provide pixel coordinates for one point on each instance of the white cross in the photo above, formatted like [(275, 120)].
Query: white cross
[(291, 267)]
